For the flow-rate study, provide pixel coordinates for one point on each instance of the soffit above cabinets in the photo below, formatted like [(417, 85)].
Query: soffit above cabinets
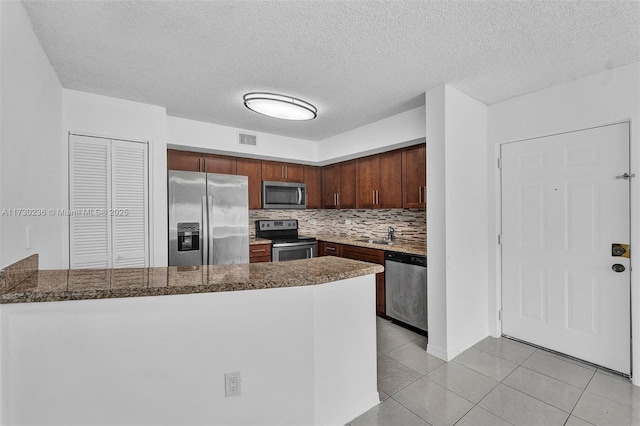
[(357, 62)]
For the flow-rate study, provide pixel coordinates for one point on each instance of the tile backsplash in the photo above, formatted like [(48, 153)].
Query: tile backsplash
[(410, 224)]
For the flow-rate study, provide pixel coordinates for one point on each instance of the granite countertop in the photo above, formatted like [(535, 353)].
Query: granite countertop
[(255, 241), (399, 245), (83, 284)]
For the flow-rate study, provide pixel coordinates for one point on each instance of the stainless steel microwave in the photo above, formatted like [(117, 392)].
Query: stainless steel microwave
[(284, 195)]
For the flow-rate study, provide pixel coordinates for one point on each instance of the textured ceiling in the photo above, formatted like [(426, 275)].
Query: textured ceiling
[(357, 61)]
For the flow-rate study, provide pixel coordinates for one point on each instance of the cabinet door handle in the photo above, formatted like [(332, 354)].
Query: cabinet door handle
[(338, 198), (286, 172), (420, 194), (258, 251), (374, 197), (330, 248)]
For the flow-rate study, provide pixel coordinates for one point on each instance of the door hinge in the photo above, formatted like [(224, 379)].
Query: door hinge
[(500, 315), (500, 162), (626, 176), (499, 239)]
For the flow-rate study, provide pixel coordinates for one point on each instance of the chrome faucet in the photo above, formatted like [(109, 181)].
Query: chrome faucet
[(390, 232)]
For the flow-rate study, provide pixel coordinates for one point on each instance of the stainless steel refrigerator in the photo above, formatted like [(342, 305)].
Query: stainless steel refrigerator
[(208, 219)]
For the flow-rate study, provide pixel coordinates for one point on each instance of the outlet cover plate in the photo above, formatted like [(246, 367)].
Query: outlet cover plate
[(232, 384)]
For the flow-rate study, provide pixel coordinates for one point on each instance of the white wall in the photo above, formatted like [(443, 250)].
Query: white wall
[(91, 114), (397, 131), (208, 137), (307, 355), (456, 221), (609, 97), (436, 222), (30, 152)]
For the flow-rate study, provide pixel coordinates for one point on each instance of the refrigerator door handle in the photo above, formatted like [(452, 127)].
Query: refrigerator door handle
[(204, 235), (310, 253), (210, 230)]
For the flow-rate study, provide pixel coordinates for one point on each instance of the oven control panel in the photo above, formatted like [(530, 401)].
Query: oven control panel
[(277, 225)]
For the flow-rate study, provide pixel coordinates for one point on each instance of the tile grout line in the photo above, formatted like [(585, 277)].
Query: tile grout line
[(501, 382), (518, 364), (583, 391), (481, 373), (551, 377), (498, 356), (555, 378), (444, 387), (537, 399)]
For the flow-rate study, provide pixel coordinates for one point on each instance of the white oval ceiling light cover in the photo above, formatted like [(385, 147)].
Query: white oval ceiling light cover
[(279, 106)]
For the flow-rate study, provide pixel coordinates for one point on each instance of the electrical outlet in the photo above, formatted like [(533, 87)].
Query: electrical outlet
[(232, 382)]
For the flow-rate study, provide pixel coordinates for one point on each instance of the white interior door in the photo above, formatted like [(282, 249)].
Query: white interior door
[(89, 192), (562, 209), (108, 197), (129, 215)]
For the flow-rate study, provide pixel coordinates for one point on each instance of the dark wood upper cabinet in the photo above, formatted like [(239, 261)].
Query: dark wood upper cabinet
[(253, 170), (395, 179), (414, 177), (380, 181), (347, 194), (184, 160), (339, 185), (390, 180), (367, 181), (282, 172), (330, 186), (313, 179), (199, 162), (219, 164)]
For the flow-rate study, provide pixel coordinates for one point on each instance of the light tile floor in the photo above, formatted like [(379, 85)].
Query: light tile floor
[(496, 382)]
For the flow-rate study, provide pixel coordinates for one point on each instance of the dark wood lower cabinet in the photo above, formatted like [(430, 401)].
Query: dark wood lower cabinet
[(381, 308), (325, 248), (364, 254), (259, 253)]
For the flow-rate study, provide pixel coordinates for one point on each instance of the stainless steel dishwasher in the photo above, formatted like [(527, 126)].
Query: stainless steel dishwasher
[(406, 288)]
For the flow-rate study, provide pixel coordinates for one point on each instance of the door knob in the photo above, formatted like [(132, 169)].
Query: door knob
[(618, 267)]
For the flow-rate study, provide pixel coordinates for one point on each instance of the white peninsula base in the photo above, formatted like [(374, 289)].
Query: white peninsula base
[(307, 356)]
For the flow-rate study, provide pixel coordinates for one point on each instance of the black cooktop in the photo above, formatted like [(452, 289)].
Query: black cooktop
[(281, 231)]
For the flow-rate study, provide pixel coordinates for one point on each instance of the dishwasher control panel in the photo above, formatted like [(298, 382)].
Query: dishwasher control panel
[(411, 259)]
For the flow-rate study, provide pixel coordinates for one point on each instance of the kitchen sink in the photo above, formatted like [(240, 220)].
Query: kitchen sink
[(382, 242)]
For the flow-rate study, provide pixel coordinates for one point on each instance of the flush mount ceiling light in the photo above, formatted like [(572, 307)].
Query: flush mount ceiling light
[(279, 106)]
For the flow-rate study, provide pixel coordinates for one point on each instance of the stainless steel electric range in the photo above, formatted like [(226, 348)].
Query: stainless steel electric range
[(287, 244)]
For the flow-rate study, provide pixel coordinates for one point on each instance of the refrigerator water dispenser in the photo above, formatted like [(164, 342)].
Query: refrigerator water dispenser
[(188, 236)]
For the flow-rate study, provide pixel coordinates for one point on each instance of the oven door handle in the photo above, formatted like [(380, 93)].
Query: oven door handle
[(310, 253), (286, 245)]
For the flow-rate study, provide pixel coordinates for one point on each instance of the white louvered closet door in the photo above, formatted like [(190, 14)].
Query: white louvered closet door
[(89, 193), (108, 194), (129, 204)]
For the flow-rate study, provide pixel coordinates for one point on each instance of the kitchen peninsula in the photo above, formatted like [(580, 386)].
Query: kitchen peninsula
[(157, 350)]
